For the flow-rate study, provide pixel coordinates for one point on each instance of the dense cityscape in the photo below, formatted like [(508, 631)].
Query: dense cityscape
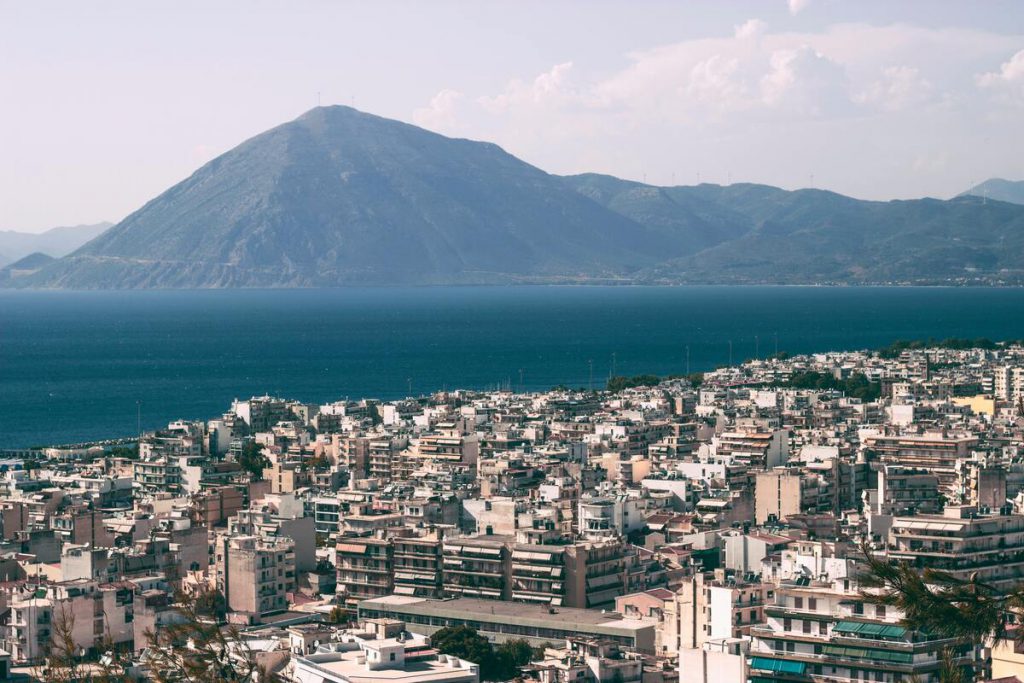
[(730, 526)]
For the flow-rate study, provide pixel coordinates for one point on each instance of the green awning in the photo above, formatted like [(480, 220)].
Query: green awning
[(867, 630), (779, 666), (877, 654)]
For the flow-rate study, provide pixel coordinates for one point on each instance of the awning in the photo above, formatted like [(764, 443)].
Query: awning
[(875, 653), (351, 548), (780, 666), (865, 630)]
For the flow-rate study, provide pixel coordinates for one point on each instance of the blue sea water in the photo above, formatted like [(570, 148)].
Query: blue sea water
[(77, 365)]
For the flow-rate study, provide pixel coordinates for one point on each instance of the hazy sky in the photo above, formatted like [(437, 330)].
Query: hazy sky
[(105, 104)]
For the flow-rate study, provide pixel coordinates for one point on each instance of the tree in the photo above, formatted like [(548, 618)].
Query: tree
[(511, 656), (253, 460), (465, 643), (63, 657), (618, 383), (193, 648), (941, 605)]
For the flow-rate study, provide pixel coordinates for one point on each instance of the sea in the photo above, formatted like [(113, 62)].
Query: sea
[(83, 366)]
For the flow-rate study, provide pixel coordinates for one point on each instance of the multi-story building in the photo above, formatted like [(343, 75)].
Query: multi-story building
[(365, 568), (936, 452), (759, 450), (255, 574), (964, 543), (824, 631), (418, 565), (477, 567), (713, 606)]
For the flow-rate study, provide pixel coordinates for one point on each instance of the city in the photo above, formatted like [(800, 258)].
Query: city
[(714, 526)]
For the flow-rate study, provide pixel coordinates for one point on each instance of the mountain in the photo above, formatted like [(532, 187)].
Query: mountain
[(999, 189), (812, 236), (339, 197), (55, 241), (25, 266)]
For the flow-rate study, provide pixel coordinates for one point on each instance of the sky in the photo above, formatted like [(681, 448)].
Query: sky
[(105, 104)]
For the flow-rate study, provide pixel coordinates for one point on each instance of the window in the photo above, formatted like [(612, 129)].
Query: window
[(392, 656), (880, 611), (807, 626), (798, 603), (812, 604)]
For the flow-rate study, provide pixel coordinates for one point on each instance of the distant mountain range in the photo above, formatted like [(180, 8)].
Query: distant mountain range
[(340, 197), (54, 242), (999, 189)]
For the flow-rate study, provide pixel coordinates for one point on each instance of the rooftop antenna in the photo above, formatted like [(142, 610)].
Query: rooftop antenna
[(613, 363), (138, 418), (590, 386), (318, 98), (728, 178), (687, 359), (757, 346), (730, 353), (812, 180), (409, 381), (776, 335)]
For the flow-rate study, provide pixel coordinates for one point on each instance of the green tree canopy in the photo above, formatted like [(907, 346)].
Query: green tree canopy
[(252, 459), (496, 664)]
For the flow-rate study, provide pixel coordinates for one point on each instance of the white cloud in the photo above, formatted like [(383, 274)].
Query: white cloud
[(1008, 80), (797, 6), (898, 88), (805, 81), (546, 87), (747, 100), (750, 29), (440, 114)]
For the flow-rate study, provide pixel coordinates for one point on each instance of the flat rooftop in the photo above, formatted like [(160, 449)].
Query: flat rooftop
[(590, 621), (345, 666)]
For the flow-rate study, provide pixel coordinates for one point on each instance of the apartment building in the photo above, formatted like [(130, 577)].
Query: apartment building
[(477, 567), (936, 452), (365, 568), (759, 450), (823, 631), (418, 565), (964, 543), (780, 494), (255, 574), (712, 606)]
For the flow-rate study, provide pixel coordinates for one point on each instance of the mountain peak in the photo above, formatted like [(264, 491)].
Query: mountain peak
[(999, 189), (342, 197)]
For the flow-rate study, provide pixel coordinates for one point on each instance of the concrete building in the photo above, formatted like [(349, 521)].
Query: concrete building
[(255, 574), (501, 621), (821, 631)]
